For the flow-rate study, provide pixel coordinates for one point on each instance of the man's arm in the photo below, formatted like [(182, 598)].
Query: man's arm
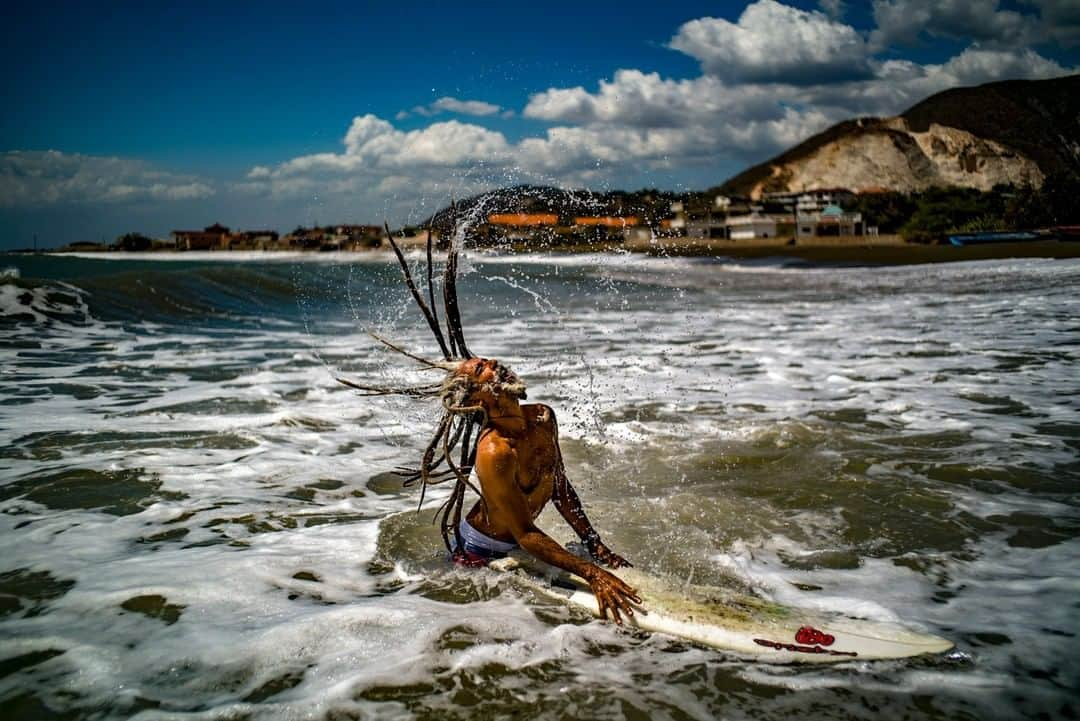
[(568, 504), (496, 467)]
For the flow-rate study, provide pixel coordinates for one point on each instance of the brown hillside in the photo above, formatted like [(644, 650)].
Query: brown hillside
[(1007, 132), (1039, 118)]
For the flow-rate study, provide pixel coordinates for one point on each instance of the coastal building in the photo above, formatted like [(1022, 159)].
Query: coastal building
[(831, 221), (709, 226), (251, 240), (695, 220), (734, 205), (605, 227), (805, 201), (750, 227), (305, 239), (511, 227), (675, 225), (213, 237), (702, 219), (358, 231), (607, 221), (357, 237), (524, 220), (643, 234)]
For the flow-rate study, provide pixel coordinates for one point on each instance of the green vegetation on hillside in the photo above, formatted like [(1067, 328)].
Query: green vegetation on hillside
[(928, 216)]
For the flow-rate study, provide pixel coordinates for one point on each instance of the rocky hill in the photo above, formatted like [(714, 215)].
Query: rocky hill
[(1014, 132)]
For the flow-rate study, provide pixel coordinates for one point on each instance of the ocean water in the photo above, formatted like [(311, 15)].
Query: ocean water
[(198, 522)]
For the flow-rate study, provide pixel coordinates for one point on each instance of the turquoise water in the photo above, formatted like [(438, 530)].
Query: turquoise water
[(197, 521)]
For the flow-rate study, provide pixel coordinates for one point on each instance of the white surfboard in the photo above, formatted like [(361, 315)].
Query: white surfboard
[(735, 622)]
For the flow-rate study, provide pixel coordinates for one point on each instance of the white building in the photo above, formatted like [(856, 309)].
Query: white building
[(716, 221), (832, 221), (749, 227)]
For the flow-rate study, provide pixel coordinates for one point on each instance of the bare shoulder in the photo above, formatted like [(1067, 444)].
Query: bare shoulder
[(495, 451)]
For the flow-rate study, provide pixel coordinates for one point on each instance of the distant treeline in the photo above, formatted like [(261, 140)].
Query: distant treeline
[(928, 216)]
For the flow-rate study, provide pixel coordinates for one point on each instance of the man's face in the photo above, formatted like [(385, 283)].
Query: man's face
[(488, 375)]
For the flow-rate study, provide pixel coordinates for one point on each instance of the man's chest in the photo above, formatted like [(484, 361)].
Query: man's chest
[(536, 474)]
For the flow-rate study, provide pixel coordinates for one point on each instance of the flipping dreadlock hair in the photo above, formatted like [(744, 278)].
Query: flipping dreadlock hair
[(458, 430)]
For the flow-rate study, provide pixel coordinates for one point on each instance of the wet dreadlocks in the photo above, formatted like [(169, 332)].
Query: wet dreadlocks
[(458, 430)]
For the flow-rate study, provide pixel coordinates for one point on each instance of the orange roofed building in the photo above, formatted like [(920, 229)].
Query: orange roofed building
[(210, 238), (604, 228), (523, 220), (609, 221)]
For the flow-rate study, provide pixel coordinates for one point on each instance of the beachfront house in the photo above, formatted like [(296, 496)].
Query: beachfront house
[(703, 220), (830, 222), (639, 234), (252, 240), (305, 239), (805, 201), (513, 227), (604, 227), (524, 220), (675, 225), (358, 237), (709, 226), (697, 219), (213, 237), (750, 227)]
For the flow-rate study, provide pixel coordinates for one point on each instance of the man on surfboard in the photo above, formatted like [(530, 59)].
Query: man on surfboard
[(513, 448), (519, 464)]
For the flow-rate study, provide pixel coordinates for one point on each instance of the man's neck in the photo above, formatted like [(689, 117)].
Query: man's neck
[(506, 416)]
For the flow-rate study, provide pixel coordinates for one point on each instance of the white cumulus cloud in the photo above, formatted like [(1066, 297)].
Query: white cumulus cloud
[(773, 42), (646, 100), (899, 84), (51, 177), (478, 108), (981, 65)]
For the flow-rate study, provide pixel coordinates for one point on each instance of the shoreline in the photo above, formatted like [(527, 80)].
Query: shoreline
[(840, 253), (908, 254)]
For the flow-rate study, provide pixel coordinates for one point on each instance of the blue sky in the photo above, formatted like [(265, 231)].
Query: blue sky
[(130, 116)]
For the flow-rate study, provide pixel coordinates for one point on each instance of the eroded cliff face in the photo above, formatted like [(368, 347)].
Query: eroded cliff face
[(887, 154), (961, 158)]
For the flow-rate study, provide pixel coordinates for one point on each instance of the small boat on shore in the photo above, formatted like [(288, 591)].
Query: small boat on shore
[(994, 236)]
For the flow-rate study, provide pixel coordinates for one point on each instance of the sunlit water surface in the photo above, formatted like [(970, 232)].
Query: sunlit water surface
[(198, 521)]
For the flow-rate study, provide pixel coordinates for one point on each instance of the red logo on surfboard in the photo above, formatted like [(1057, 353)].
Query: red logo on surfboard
[(809, 636), (807, 640)]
